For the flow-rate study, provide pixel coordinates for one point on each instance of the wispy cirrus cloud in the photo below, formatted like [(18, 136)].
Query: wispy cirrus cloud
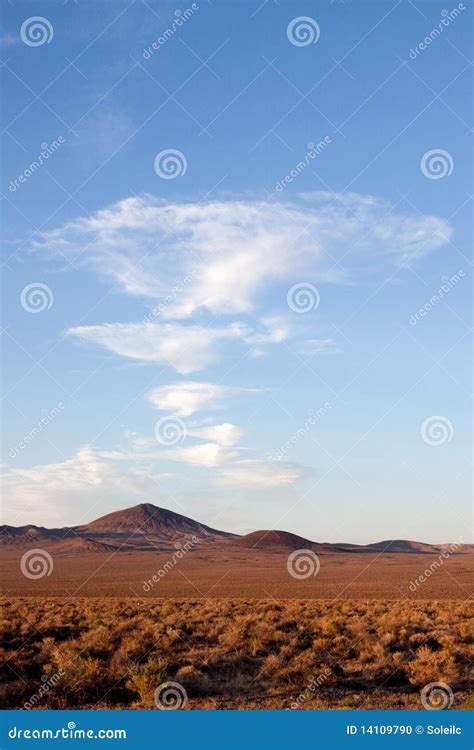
[(186, 348), (232, 254), (260, 474), (207, 455), (235, 256), (319, 346), (240, 248)]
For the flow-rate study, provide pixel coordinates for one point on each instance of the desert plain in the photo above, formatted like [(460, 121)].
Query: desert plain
[(109, 612)]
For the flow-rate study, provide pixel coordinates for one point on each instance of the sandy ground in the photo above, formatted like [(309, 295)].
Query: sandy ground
[(217, 573)]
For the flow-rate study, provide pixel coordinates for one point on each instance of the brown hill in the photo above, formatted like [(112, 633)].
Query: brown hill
[(273, 538), (29, 534), (146, 527), (404, 545), (148, 519)]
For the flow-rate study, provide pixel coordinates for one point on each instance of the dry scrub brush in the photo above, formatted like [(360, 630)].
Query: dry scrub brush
[(232, 653)]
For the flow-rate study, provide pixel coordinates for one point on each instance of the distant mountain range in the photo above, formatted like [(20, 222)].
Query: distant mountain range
[(147, 527)]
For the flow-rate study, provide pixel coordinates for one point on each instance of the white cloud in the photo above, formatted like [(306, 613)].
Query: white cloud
[(273, 330), (186, 348), (259, 473), (206, 259), (188, 397), (225, 434), (207, 454), (53, 493), (237, 249)]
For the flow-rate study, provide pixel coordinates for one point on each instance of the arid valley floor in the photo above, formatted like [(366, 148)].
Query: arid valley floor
[(116, 613)]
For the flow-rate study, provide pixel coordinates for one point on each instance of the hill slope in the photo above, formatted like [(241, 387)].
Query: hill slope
[(148, 519), (273, 538)]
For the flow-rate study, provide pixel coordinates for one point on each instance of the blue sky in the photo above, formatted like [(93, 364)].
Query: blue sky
[(175, 360)]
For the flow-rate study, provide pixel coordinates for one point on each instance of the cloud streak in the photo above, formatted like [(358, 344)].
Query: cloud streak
[(260, 474), (185, 348), (236, 250)]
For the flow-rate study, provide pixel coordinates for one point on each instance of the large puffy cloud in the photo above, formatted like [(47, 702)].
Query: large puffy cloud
[(223, 255)]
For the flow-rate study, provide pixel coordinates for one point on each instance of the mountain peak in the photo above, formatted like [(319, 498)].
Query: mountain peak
[(146, 518)]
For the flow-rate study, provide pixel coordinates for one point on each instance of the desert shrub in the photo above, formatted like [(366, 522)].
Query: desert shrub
[(83, 677), (432, 667), (145, 678), (233, 653)]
